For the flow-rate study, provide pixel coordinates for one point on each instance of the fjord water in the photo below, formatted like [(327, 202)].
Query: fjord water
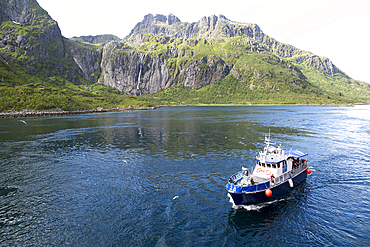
[(157, 178)]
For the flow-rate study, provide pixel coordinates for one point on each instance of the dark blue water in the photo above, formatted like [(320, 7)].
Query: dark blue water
[(157, 178)]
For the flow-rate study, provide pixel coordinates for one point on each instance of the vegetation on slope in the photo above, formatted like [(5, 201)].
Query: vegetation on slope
[(257, 76), (338, 85), (22, 91), (232, 91)]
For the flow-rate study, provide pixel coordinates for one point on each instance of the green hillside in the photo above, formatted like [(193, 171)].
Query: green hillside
[(22, 91), (256, 78)]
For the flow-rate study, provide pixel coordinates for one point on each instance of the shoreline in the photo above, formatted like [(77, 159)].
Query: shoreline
[(48, 113), (58, 112), (249, 105), (347, 105)]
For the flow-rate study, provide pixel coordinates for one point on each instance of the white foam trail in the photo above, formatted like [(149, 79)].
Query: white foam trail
[(253, 207)]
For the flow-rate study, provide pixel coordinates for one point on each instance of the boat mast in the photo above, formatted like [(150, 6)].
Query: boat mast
[(268, 139)]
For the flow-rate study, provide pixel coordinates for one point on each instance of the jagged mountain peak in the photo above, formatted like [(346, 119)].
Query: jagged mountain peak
[(207, 27), (150, 20), (213, 19)]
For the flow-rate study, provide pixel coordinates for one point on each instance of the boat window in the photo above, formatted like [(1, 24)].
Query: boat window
[(284, 163), (273, 165), (263, 164), (269, 165), (278, 165)]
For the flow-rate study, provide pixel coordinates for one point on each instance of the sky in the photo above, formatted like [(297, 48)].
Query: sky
[(337, 29)]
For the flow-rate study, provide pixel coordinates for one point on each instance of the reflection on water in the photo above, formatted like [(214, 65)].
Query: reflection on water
[(150, 178), (193, 131)]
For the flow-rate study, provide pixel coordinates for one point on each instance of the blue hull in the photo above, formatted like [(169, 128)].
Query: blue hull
[(259, 197)]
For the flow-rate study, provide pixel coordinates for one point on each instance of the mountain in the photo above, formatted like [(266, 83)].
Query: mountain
[(161, 51), (219, 27), (98, 39), (166, 61), (32, 40)]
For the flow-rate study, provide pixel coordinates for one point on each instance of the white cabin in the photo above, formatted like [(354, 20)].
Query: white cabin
[(273, 162)]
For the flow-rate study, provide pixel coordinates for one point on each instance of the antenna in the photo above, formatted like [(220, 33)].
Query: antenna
[(268, 139)]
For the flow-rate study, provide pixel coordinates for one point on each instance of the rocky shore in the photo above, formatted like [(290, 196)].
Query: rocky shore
[(34, 113)]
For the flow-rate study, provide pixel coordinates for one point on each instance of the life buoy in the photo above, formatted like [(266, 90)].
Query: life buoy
[(268, 172), (268, 192)]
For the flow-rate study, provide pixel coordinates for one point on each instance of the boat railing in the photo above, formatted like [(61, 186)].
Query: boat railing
[(287, 175), (261, 185), (245, 172), (248, 189)]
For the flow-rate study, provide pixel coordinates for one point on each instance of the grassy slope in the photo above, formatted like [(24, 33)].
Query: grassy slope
[(338, 85), (20, 90)]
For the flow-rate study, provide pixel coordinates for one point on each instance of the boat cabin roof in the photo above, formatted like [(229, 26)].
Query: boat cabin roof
[(276, 158), (295, 153)]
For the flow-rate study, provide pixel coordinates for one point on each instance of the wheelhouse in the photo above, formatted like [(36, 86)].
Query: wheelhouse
[(277, 162)]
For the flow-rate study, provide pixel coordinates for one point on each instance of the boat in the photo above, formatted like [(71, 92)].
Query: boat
[(276, 171)]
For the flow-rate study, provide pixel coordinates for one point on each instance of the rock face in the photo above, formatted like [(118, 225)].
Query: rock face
[(322, 64), (20, 11), (87, 58), (30, 38), (153, 24), (134, 73)]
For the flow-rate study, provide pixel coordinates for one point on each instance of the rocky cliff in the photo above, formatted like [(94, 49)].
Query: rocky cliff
[(31, 38), (132, 72)]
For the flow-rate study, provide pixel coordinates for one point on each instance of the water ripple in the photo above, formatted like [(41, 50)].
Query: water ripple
[(158, 178)]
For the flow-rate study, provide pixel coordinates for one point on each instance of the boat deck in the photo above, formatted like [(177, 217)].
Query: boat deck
[(240, 183)]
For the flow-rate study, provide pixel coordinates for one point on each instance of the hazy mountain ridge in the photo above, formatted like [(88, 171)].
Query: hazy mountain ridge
[(97, 39)]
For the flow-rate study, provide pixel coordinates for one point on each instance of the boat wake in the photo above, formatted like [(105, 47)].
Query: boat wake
[(253, 207)]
